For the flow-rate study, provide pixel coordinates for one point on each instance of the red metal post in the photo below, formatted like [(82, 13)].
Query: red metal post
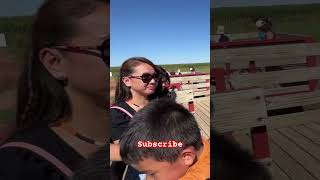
[(218, 75), (191, 106), (259, 135), (252, 67), (178, 86), (311, 62), (260, 142)]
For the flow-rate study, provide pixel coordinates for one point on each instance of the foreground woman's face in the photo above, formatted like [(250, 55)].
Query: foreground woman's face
[(88, 74), (140, 85)]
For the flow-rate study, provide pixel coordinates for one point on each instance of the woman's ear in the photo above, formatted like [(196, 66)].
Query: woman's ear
[(127, 81), (189, 156), (52, 60)]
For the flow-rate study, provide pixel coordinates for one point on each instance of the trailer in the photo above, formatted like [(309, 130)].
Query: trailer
[(266, 97)]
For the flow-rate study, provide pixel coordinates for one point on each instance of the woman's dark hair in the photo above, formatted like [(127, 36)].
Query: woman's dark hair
[(164, 78), (42, 99), (123, 92)]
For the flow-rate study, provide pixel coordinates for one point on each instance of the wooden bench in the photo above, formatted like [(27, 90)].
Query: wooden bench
[(243, 110), (281, 74), (190, 86), (198, 82)]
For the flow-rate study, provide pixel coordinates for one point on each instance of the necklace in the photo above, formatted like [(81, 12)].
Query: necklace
[(76, 134), (134, 104), (89, 140)]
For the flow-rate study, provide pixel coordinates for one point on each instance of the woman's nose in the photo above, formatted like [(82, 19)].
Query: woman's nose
[(152, 81)]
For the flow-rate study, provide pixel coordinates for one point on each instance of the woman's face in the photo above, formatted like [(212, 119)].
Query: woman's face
[(138, 81), (88, 74)]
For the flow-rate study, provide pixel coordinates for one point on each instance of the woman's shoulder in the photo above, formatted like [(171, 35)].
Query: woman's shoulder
[(121, 109), (122, 104)]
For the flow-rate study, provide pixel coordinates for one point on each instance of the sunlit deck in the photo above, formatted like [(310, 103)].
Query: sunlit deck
[(295, 150), (202, 114)]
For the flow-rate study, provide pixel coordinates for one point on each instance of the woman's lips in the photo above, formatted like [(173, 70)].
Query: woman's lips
[(151, 87)]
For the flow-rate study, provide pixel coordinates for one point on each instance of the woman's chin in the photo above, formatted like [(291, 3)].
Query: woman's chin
[(149, 92)]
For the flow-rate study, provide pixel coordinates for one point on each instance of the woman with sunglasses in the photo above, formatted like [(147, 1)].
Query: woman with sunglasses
[(139, 82), (62, 94)]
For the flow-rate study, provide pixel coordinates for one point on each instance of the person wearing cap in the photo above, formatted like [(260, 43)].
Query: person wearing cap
[(264, 27)]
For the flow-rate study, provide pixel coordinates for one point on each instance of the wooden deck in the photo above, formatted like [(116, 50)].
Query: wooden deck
[(202, 114), (295, 150)]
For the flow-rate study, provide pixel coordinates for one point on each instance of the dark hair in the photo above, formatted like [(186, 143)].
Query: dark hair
[(42, 99), (164, 76), (161, 120), (123, 93), (95, 168), (161, 91), (229, 161)]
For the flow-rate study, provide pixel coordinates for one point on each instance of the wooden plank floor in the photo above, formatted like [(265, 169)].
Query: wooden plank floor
[(202, 114), (295, 151)]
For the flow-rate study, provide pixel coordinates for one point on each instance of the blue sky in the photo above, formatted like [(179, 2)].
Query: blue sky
[(166, 31)]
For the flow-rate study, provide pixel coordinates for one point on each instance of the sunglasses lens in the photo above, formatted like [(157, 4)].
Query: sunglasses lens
[(146, 78), (155, 77)]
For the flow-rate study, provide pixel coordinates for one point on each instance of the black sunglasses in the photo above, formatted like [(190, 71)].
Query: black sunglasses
[(146, 77), (104, 50)]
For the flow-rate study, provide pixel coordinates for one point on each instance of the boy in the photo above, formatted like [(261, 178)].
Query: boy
[(164, 142)]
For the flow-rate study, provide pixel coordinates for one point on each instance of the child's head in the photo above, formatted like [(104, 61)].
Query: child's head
[(159, 122)]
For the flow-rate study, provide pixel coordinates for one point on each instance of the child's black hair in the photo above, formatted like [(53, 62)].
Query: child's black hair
[(160, 121)]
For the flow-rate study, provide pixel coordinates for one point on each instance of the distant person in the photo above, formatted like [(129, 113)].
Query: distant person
[(264, 26), (192, 70), (179, 72), (61, 115), (221, 36), (159, 122)]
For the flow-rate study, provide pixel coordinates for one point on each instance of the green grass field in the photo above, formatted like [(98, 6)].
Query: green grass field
[(200, 67), (292, 19), (6, 116)]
